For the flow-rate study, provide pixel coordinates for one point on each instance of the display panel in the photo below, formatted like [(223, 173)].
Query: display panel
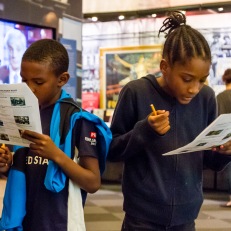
[(15, 37), (119, 65)]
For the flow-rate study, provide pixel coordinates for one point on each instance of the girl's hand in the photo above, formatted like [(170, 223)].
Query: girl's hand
[(6, 159), (160, 121), (224, 148)]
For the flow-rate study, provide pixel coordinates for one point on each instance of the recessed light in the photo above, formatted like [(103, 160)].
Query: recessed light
[(121, 17), (94, 19)]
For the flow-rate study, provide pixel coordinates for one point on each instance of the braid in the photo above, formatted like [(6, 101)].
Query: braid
[(182, 41), (173, 21)]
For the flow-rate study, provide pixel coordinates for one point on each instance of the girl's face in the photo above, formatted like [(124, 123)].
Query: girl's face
[(43, 82), (184, 81)]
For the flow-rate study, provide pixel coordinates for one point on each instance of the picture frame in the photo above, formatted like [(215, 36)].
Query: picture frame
[(119, 65)]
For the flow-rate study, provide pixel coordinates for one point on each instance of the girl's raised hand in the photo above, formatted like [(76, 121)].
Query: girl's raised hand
[(159, 121)]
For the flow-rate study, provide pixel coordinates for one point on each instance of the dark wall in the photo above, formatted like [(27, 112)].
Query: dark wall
[(46, 13), (41, 12)]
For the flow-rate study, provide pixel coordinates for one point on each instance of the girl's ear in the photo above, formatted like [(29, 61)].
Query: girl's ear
[(163, 66), (63, 78)]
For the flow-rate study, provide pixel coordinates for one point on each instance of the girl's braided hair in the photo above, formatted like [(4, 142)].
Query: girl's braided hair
[(182, 41)]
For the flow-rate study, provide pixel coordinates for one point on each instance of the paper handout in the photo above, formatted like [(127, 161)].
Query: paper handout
[(19, 110), (217, 133)]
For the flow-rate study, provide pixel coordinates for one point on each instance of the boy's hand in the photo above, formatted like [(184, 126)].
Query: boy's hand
[(160, 121), (42, 145), (6, 159)]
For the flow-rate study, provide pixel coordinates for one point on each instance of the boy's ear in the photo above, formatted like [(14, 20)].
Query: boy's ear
[(163, 66), (63, 78)]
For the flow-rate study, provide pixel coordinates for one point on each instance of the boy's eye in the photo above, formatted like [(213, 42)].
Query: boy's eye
[(38, 82)]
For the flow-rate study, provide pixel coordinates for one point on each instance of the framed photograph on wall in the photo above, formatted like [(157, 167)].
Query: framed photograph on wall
[(119, 65)]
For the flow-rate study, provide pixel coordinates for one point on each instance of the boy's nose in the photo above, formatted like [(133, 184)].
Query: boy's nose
[(31, 87)]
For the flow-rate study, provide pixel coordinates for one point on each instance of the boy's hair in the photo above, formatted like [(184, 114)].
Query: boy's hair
[(182, 41), (227, 76), (48, 51)]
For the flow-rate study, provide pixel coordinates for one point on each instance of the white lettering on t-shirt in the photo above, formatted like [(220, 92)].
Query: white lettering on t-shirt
[(36, 160), (90, 140)]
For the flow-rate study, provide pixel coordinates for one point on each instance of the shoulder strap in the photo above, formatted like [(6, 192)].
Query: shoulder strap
[(68, 107)]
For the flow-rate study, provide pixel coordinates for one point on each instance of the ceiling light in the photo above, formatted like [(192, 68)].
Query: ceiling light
[(121, 17), (220, 9), (94, 19), (154, 15)]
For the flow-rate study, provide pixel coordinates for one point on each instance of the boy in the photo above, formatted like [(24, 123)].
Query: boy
[(68, 156)]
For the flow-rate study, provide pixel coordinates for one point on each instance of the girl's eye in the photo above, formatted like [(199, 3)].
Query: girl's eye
[(203, 80), (187, 80)]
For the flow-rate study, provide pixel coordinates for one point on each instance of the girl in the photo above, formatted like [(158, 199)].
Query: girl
[(165, 192)]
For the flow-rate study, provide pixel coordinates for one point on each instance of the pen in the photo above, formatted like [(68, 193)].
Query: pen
[(3, 146), (153, 109)]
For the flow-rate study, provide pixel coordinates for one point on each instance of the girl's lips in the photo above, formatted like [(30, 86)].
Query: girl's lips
[(186, 99)]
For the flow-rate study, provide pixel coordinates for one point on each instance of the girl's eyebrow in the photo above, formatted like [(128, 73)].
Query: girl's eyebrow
[(186, 73), (191, 75)]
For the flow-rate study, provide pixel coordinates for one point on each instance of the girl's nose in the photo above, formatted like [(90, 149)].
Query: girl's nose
[(194, 88)]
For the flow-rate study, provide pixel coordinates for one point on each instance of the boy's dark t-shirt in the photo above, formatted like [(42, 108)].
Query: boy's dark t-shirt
[(46, 210)]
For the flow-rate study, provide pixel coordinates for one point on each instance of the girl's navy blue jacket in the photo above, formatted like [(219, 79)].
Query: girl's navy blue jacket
[(165, 190)]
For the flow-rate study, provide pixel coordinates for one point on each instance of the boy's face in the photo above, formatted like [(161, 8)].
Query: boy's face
[(184, 81), (42, 81)]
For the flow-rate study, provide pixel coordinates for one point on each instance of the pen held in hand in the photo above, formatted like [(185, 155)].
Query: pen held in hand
[(153, 109)]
